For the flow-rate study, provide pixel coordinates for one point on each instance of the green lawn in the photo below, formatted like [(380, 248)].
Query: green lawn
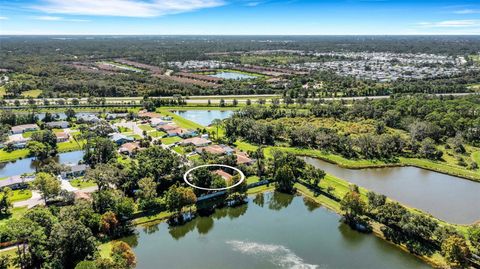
[(20, 195), (82, 184), (156, 134), (252, 179), (2, 91), (16, 213), (14, 155), (28, 134), (180, 121), (179, 150), (124, 130), (146, 127), (32, 93), (170, 140), (71, 145), (476, 157)]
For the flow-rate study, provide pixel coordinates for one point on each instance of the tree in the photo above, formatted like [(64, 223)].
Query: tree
[(353, 205), (38, 150), (99, 150), (123, 255), (5, 201), (105, 176), (428, 150), (177, 198), (30, 239), (235, 102), (48, 185), (312, 175), (147, 193), (284, 179), (474, 235), (109, 223), (222, 102), (456, 251), (217, 123), (70, 113), (73, 242)]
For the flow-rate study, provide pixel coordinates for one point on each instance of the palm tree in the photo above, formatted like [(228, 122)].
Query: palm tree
[(217, 123)]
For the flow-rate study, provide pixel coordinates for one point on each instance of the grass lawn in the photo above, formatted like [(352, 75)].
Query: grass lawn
[(179, 150), (170, 140), (28, 134), (146, 127), (19, 195), (71, 145), (124, 130), (156, 134), (14, 155), (252, 179), (32, 93), (16, 213), (180, 121), (476, 157), (2, 91), (82, 184)]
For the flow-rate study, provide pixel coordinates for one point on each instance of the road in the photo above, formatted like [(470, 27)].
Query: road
[(214, 99)]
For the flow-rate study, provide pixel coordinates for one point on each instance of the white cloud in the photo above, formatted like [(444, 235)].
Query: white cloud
[(125, 8), (467, 11), (3, 18), (54, 18), (451, 23), (48, 18), (253, 4)]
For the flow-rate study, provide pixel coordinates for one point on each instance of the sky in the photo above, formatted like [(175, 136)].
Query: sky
[(239, 17)]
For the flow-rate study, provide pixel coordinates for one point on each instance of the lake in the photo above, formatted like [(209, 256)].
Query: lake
[(204, 117), (272, 231), (28, 165), (232, 75), (449, 198)]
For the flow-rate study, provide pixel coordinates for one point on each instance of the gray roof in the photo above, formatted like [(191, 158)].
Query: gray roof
[(15, 180), (57, 123)]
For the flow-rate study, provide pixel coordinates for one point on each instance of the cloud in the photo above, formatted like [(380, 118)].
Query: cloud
[(467, 11), (125, 8), (54, 18), (451, 23), (253, 4), (3, 18)]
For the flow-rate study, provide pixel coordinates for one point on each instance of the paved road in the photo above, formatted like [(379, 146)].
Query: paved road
[(204, 99)]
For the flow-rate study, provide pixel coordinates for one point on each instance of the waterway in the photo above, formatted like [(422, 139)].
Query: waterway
[(449, 198)]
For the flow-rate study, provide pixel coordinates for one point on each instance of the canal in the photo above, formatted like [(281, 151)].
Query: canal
[(449, 198)]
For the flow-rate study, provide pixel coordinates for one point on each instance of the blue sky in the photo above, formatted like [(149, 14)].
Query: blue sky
[(240, 17)]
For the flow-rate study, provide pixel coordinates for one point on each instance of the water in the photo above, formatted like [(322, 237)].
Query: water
[(204, 117), (449, 198), (272, 231), (232, 75), (28, 165)]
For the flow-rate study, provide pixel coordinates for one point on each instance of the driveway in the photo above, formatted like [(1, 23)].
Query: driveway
[(35, 200)]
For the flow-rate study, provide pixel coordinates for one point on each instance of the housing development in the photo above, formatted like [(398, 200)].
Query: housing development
[(239, 134)]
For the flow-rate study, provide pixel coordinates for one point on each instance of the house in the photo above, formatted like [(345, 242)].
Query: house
[(216, 149), (167, 118), (112, 116), (146, 114), (75, 171), (120, 139), (17, 141), (242, 158), (181, 132), (16, 182), (129, 148), (223, 174), (58, 124), (154, 122), (167, 127), (62, 137), (196, 141), (20, 129), (87, 118)]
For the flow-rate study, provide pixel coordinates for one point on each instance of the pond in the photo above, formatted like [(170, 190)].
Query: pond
[(232, 75), (446, 197), (28, 165), (204, 117), (272, 231)]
